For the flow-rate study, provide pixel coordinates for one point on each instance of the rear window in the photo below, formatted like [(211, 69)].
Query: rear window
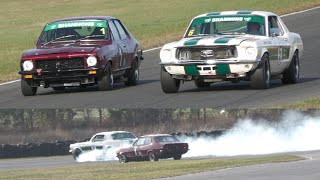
[(164, 139), (118, 136)]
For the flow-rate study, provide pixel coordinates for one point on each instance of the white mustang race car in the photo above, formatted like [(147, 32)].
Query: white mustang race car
[(232, 46), (103, 141)]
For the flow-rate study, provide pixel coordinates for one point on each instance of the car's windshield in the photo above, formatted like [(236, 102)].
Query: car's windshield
[(118, 136), (231, 24), (74, 30), (164, 139)]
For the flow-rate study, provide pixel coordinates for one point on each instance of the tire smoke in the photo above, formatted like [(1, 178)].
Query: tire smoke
[(294, 132)]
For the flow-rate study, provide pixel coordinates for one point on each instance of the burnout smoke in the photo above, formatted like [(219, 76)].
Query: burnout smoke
[(294, 132)]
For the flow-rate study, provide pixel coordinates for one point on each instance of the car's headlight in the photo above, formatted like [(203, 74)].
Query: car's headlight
[(165, 55), (91, 61), (27, 65), (251, 52)]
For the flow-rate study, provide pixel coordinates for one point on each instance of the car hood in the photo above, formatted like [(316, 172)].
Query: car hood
[(58, 50), (216, 40)]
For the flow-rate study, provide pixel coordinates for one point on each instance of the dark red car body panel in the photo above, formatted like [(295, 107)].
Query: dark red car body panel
[(109, 50), (161, 150)]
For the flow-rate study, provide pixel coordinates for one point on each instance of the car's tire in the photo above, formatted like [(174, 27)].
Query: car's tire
[(177, 157), (27, 89), (76, 153), (291, 75), (133, 74), (60, 88), (168, 84), (123, 159), (152, 156), (201, 84), (106, 83), (260, 79)]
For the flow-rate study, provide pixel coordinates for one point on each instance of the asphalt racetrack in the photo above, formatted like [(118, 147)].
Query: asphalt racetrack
[(148, 94)]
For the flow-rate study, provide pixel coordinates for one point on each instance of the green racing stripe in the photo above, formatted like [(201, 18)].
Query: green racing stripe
[(191, 70), (192, 42), (223, 40), (222, 69)]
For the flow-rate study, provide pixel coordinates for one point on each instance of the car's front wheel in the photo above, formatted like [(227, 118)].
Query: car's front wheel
[(177, 157), (106, 83), (168, 84), (133, 74), (27, 89), (123, 159), (260, 79), (152, 156), (291, 75), (76, 153)]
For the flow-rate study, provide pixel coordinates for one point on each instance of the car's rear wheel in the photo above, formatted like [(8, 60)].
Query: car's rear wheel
[(201, 84), (123, 159), (169, 84), (76, 153), (177, 157), (291, 75), (133, 74), (106, 83), (27, 89), (60, 88), (260, 79), (152, 156)]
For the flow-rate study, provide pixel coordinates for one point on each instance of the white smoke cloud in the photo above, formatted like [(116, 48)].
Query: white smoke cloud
[(294, 132)]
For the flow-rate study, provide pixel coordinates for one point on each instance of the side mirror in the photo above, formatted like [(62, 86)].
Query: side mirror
[(274, 34)]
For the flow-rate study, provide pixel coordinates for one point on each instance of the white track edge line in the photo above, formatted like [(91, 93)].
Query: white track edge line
[(148, 50)]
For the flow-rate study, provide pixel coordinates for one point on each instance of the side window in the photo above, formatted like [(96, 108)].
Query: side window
[(140, 142), (114, 31), (147, 141), (122, 32), (98, 138), (274, 26)]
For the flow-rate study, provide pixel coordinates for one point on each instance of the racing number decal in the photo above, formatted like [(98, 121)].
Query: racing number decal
[(191, 32), (279, 55), (121, 57), (103, 31)]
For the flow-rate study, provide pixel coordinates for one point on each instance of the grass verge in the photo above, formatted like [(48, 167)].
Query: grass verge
[(152, 22), (142, 170), (313, 103)]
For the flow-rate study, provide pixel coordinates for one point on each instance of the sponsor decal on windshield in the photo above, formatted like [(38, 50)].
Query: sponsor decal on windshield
[(67, 24), (258, 19)]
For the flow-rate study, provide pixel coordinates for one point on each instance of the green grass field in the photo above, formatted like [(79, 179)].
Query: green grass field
[(141, 170), (152, 22)]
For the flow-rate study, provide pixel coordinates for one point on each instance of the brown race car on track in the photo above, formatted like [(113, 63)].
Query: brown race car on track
[(81, 51), (153, 148)]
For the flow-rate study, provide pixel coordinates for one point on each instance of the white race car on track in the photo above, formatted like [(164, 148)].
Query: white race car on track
[(232, 46), (103, 141)]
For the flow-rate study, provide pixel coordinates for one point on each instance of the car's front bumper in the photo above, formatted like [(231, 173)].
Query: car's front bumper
[(61, 77), (221, 70)]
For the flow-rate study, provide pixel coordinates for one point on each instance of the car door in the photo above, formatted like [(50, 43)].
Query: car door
[(137, 146), (97, 141), (118, 46), (280, 56), (125, 43), (145, 147)]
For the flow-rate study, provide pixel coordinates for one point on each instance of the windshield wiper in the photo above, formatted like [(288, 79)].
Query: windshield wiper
[(232, 33), (92, 36), (62, 37)]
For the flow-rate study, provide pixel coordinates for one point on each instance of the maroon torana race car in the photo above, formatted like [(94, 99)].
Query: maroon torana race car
[(153, 148), (81, 51)]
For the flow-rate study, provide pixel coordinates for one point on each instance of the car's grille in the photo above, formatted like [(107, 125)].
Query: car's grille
[(52, 64), (206, 53)]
